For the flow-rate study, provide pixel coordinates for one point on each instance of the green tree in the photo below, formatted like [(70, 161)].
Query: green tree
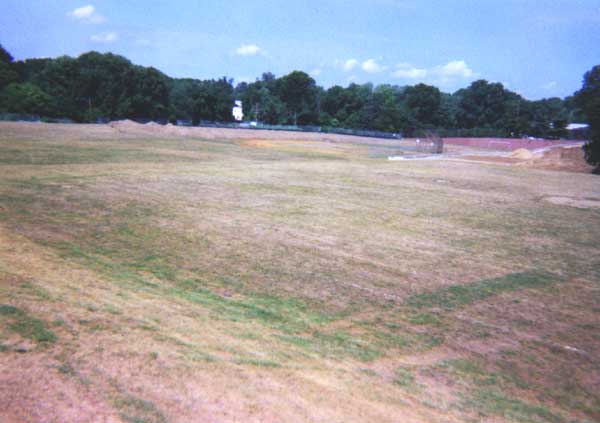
[(299, 93), (387, 111), (59, 78), (24, 98), (482, 104), (8, 75), (424, 102), (5, 56), (588, 99)]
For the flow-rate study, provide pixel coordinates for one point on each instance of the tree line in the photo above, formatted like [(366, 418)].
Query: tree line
[(96, 85), (482, 109)]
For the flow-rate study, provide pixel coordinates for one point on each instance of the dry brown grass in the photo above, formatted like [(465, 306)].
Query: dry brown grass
[(270, 280)]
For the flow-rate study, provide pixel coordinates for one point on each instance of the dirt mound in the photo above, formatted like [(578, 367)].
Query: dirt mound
[(151, 128), (522, 153), (562, 158), (125, 125), (570, 159)]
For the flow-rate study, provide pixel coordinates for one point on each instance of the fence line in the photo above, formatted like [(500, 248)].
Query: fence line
[(15, 117), (296, 128)]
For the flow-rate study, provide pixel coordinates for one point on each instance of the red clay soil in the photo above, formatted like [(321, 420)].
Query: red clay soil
[(562, 158), (567, 159)]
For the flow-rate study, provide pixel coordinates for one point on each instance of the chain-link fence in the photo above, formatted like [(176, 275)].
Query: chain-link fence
[(408, 147), (295, 128)]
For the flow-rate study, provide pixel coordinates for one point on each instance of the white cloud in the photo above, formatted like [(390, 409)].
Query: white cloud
[(550, 85), (248, 50), (86, 14), (316, 72), (455, 68), (442, 75), (406, 71), (349, 64), (371, 66), (105, 37), (83, 12)]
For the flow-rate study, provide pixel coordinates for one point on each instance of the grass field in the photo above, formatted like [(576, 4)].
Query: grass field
[(150, 280)]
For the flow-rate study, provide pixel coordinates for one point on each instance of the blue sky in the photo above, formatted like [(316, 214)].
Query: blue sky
[(538, 48)]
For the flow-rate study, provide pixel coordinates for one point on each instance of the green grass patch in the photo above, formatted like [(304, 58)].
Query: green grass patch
[(109, 308), (136, 410), (485, 392), (201, 356), (259, 363), (59, 155), (369, 372), (460, 295), (425, 319), (491, 401), (472, 371), (287, 315), (66, 369), (25, 325), (403, 339), (38, 291), (405, 378), (335, 345)]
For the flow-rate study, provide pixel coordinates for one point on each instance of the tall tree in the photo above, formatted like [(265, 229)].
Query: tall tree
[(24, 98), (8, 75), (5, 56), (299, 92), (588, 98), (424, 102)]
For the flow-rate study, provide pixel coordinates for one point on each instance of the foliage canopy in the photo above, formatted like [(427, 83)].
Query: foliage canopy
[(96, 85)]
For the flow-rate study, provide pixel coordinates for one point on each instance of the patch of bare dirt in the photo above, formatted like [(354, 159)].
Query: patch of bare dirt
[(522, 153), (257, 143), (561, 158), (33, 389), (492, 159), (569, 159), (125, 124)]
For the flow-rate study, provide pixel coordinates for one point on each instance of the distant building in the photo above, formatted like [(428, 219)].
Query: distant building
[(579, 131), (237, 111), (576, 126)]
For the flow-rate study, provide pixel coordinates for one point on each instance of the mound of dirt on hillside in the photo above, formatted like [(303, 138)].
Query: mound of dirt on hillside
[(151, 128), (522, 153), (570, 159), (125, 125)]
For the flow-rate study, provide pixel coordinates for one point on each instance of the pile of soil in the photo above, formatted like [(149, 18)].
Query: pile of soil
[(570, 159), (125, 125), (522, 153), (150, 128)]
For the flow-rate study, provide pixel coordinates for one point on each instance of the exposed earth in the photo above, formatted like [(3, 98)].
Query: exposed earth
[(159, 274)]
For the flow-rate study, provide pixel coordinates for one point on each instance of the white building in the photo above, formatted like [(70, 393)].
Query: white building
[(577, 126), (237, 111)]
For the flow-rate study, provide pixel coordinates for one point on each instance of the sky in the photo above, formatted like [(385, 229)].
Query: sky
[(537, 48)]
